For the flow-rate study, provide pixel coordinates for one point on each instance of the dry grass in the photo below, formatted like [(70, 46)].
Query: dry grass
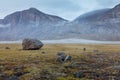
[(33, 64)]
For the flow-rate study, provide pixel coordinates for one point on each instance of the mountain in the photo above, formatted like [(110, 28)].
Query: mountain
[(29, 23), (99, 25), (31, 16)]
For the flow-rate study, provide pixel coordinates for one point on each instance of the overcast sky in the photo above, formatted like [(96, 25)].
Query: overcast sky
[(68, 9)]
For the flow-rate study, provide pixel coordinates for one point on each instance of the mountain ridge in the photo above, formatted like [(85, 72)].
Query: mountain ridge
[(101, 25), (26, 15), (31, 23)]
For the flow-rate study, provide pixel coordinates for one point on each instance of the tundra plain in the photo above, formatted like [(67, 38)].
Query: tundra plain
[(97, 62)]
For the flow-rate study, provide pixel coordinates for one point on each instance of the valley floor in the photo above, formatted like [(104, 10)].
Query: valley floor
[(98, 62), (66, 41)]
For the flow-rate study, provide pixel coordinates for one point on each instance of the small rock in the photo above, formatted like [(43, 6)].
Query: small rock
[(117, 67), (43, 52), (60, 53), (68, 58), (2, 75), (18, 74), (78, 74), (7, 48), (12, 78), (84, 49), (60, 58), (95, 51), (117, 78)]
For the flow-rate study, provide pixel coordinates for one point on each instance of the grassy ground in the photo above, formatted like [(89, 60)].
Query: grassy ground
[(103, 60)]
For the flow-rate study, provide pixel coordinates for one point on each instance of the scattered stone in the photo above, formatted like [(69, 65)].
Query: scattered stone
[(46, 75), (18, 74), (91, 74), (12, 78), (60, 53), (79, 65), (84, 49), (1, 68), (78, 74), (31, 44), (117, 67), (95, 51), (43, 52), (2, 75), (68, 58), (117, 78), (60, 58), (7, 48)]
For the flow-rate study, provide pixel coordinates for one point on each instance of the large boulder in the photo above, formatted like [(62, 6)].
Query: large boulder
[(31, 44)]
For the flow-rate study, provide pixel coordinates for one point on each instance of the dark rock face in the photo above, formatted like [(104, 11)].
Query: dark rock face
[(31, 44)]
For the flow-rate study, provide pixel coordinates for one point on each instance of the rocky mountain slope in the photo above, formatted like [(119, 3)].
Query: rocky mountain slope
[(99, 25), (31, 23)]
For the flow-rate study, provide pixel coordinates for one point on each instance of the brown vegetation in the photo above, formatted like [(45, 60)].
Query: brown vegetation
[(97, 62)]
